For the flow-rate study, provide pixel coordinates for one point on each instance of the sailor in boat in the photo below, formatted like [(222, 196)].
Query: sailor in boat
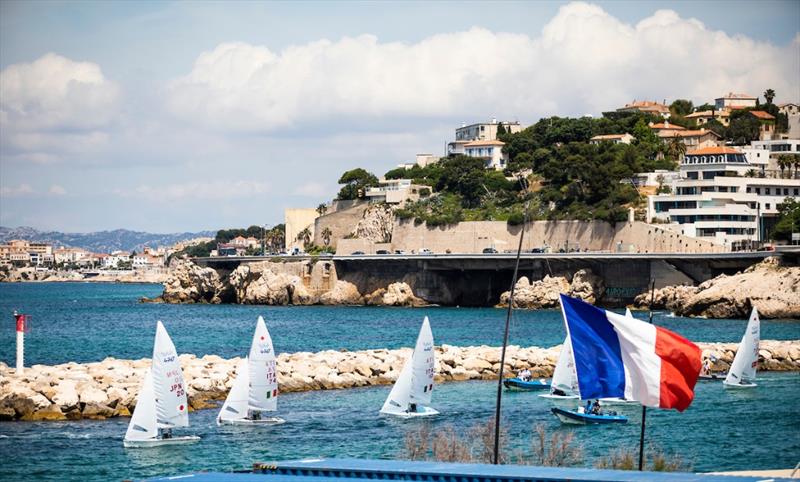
[(593, 407), (525, 375), (166, 433), (559, 392), (412, 408), (255, 415)]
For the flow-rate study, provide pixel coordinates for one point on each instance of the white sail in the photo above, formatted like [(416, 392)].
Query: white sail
[(400, 396), (423, 366), (628, 313), (565, 378), (743, 368), (172, 409), (143, 422), (263, 373), (415, 383), (236, 405)]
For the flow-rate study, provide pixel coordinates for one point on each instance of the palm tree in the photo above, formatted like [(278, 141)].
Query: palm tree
[(304, 237), (326, 235), (322, 209), (676, 148), (769, 94), (784, 161)]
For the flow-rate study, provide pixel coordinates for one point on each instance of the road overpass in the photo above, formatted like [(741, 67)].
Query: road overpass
[(479, 279)]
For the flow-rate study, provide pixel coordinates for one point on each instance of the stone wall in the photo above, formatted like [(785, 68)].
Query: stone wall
[(474, 236), (109, 388)]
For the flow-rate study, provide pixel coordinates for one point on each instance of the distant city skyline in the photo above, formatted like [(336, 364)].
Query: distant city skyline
[(186, 116)]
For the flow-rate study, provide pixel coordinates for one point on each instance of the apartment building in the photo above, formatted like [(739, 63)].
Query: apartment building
[(720, 197), (486, 131), (395, 191), (490, 151), (612, 138)]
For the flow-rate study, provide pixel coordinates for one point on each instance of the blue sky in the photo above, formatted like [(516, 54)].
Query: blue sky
[(184, 116)]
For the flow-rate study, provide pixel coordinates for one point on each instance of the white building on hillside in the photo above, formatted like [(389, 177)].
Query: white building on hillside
[(395, 191), (735, 101), (612, 138), (479, 132), (716, 200), (490, 151)]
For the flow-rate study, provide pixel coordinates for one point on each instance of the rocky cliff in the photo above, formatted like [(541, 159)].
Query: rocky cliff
[(772, 288), (109, 388)]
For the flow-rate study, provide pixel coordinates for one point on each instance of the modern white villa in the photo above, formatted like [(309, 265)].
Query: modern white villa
[(721, 197)]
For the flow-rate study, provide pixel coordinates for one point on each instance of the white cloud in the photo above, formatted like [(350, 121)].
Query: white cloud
[(583, 60), (54, 105), (312, 189), (215, 190), (16, 191), (57, 190)]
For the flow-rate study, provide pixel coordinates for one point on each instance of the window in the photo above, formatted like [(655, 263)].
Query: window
[(748, 189), (758, 190), (767, 191), (766, 206), (796, 191)]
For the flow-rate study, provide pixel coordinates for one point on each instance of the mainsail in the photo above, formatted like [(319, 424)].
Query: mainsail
[(415, 383), (743, 368), (263, 374), (168, 385)]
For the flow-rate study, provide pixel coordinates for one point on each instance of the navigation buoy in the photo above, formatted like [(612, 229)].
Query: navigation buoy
[(20, 320)]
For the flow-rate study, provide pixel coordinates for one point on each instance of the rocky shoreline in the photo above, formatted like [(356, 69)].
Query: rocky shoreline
[(105, 389), (770, 287), (28, 275)]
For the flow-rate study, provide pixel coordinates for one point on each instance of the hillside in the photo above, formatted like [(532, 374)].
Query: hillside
[(101, 241)]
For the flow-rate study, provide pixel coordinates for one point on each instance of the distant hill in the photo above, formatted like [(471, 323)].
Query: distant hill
[(101, 241)]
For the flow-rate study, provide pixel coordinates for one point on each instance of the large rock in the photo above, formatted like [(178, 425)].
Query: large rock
[(396, 294), (66, 395), (190, 283), (773, 289), (376, 225), (259, 283), (587, 286), (343, 293), (539, 294)]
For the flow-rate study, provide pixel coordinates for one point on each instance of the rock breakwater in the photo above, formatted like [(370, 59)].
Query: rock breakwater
[(109, 388), (772, 288), (544, 293)]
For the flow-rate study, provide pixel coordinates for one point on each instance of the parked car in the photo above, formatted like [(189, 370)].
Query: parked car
[(399, 251), (382, 251), (297, 252), (489, 251), (425, 251), (537, 250), (357, 253)]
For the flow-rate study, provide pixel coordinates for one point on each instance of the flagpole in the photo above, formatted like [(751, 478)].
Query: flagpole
[(644, 408), (496, 455)]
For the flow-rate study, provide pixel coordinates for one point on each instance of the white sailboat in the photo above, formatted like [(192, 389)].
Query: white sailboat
[(743, 369), (411, 394), (161, 405), (564, 385), (255, 389)]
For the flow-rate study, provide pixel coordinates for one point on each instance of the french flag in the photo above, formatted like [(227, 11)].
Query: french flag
[(617, 356)]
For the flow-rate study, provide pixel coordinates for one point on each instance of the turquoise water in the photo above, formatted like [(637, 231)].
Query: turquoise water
[(722, 430), (87, 322)]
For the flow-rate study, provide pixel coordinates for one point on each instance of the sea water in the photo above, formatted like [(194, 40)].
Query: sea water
[(722, 430)]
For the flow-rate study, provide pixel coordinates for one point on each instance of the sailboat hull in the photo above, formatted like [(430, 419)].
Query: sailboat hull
[(421, 412), (617, 401), (576, 418), (159, 442), (247, 421), (713, 377), (736, 386)]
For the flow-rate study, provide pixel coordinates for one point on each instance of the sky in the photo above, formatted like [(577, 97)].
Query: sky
[(186, 116)]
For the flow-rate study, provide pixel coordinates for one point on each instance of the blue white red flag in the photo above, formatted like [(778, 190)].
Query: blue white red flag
[(622, 357)]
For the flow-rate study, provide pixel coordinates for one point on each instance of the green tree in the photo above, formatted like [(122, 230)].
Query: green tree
[(743, 128), (326, 235), (355, 182), (769, 94), (681, 107), (788, 219), (676, 148), (322, 209), (784, 161), (501, 130)]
